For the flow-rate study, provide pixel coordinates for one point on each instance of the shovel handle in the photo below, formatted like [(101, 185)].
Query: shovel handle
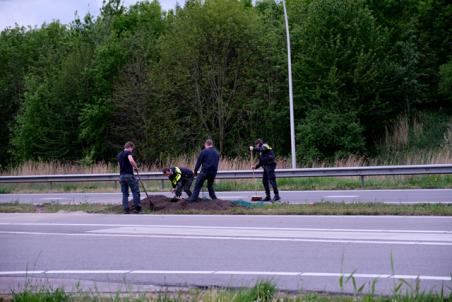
[(255, 197), (151, 205)]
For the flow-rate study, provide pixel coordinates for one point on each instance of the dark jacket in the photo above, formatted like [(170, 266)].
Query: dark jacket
[(209, 158), (266, 156), (125, 167), (179, 174)]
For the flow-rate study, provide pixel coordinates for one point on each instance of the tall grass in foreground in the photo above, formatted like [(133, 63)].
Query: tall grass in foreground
[(41, 295), (263, 291)]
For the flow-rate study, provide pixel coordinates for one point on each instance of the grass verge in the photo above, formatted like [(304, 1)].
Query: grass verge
[(344, 183), (322, 208), (308, 183), (263, 291)]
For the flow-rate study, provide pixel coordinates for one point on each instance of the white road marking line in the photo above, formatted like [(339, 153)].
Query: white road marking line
[(416, 202), (7, 273), (379, 276), (52, 198), (420, 277), (275, 233), (242, 273), (341, 196), (233, 238), (369, 190), (236, 217), (87, 272), (247, 273), (158, 272), (219, 227)]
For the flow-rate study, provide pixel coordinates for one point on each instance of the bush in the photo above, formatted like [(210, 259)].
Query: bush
[(327, 134), (41, 295), (262, 291), (445, 84)]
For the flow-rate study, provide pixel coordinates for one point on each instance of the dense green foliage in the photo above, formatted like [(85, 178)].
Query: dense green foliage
[(218, 68)]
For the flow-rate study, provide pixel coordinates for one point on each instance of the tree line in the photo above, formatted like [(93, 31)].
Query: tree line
[(218, 69)]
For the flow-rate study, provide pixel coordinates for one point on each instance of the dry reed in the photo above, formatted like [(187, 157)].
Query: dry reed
[(439, 156), (396, 138)]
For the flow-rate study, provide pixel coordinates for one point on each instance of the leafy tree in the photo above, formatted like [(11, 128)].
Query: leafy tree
[(218, 68), (434, 27), (330, 134), (47, 124), (14, 59), (206, 54), (107, 58), (134, 93), (270, 103), (445, 84), (340, 67)]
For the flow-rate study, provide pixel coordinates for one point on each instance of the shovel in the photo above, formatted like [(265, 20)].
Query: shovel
[(255, 197), (151, 205)]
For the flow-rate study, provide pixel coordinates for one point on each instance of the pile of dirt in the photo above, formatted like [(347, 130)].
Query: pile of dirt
[(165, 204)]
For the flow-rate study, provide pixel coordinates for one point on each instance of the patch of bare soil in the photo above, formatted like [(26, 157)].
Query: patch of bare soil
[(165, 204), (39, 208)]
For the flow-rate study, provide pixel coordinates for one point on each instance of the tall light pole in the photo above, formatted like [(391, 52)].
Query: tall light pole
[(289, 70)]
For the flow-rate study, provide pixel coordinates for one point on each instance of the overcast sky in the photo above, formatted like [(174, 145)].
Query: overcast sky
[(36, 12)]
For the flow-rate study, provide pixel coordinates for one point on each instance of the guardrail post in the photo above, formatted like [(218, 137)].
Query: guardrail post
[(115, 185), (162, 184), (361, 178)]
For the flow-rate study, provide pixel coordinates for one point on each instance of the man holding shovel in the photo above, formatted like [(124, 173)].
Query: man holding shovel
[(268, 163), (127, 179)]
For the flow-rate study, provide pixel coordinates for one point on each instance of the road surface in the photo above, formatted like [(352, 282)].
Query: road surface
[(295, 252), (406, 196)]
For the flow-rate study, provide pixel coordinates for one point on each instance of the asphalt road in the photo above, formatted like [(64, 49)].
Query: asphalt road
[(406, 196), (295, 252)]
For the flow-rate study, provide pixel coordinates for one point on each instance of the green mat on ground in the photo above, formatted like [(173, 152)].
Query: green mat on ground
[(248, 204)]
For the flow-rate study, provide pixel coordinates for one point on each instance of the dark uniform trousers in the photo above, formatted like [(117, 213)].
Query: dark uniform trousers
[(200, 179), (269, 177), (185, 185)]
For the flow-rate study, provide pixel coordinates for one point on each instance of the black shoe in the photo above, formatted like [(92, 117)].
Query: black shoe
[(267, 198), (276, 198), (137, 210), (175, 198), (126, 211)]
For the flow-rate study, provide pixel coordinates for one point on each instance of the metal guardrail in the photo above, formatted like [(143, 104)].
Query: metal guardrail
[(246, 174)]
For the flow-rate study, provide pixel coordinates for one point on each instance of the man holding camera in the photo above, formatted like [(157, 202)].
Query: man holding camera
[(268, 162)]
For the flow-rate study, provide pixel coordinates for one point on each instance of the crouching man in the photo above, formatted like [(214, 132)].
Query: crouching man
[(127, 179), (181, 179)]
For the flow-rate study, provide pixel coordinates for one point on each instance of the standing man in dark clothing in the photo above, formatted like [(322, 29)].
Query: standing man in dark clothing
[(181, 179), (209, 158), (268, 163), (127, 179)]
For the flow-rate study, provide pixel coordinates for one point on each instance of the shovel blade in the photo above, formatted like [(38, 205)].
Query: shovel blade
[(256, 198)]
